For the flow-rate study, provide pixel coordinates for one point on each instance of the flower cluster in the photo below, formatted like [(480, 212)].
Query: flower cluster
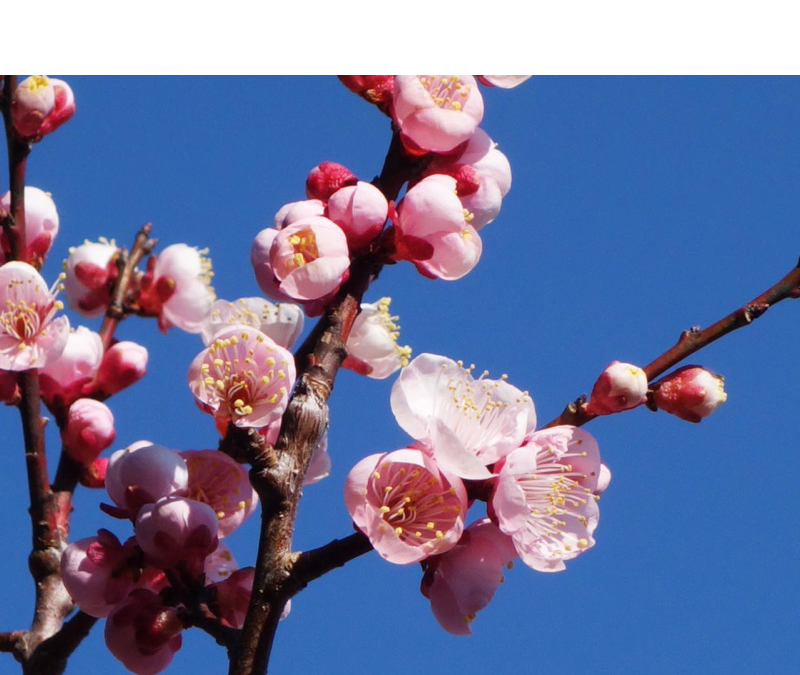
[(181, 504), (474, 437)]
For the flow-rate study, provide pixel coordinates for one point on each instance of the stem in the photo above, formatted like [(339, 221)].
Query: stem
[(694, 339), (311, 565), (14, 223)]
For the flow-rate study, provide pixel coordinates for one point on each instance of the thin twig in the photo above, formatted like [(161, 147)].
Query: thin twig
[(695, 339)]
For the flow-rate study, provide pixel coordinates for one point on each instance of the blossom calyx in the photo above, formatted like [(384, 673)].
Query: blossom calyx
[(691, 393)]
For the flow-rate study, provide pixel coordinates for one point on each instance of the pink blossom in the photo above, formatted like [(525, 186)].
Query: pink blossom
[(483, 178), (326, 178), (123, 364), (603, 479), (282, 322), (88, 430), (98, 572), (221, 482), (432, 230), (90, 271), (143, 633), (260, 251), (62, 381), (220, 564), (376, 89), (30, 336), (143, 473), (408, 507), (545, 496), (177, 529), (293, 211), (467, 423), (373, 341), (503, 81), (178, 289), (32, 100), (308, 259), (94, 474), (233, 596), (437, 112), (361, 211), (621, 386), (462, 581), (63, 109), (320, 465), (691, 393), (244, 377), (41, 224)]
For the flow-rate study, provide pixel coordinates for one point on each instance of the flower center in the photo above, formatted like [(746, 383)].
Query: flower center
[(447, 91), (304, 244)]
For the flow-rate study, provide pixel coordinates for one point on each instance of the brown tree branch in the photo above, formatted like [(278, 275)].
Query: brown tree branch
[(310, 565), (51, 655), (695, 339)]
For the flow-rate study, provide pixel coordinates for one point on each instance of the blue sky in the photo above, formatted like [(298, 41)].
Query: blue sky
[(639, 207)]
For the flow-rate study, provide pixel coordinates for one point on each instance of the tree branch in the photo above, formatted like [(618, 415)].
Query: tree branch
[(310, 565), (695, 339)]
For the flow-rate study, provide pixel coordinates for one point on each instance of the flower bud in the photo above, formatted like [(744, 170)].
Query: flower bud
[(89, 429), (123, 364), (326, 178), (94, 475), (63, 109), (360, 210), (33, 99), (376, 89), (691, 393), (90, 271), (621, 386), (41, 224), (62, 382)]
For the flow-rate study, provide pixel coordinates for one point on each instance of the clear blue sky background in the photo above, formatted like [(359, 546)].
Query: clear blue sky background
[(640, 207)]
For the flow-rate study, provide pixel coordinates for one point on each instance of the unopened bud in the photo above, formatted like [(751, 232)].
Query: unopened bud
[(63, 109), (326, 178), (621, 386), (123, 364), (376, 89), (94, 475), (89, 429), (33, 99), (691, 393)]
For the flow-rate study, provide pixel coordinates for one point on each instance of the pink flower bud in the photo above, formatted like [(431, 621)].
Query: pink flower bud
[(289, 213), (143, 633), (89, 429), (691, 393), (621, 386), (123, 364), (90, 273), (33, 99), (432, 231), (503, 81), (41, 224), (63, 109), (326, 178), (177, 289), (62, 382), (142, 474), (219, 564), (408, 507), (373, 341), (376, 89), (94, 475), (437, 112), (177, 529), (361, 211), (307, 260), (98, 572)]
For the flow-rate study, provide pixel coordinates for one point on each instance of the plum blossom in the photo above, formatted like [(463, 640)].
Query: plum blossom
[(89, 272), (123, 364), (361, 211), (143, 633), (32, 100), (373, 341), (621, 386), (282, 322), (177, 530), (437, 112), (63, 109), (545, 496), (326, 178), (233, 596), (177, 287), (142, 474), (30, 336), (305, 261), (41, 224), (88, 429), (221, 482), (219, 564), (691, 393), (466, 423), (462, 581), (243, 377), (62, 381), (432, 231), (503, 81), (376, 89), (408, 507), (289, 213)]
